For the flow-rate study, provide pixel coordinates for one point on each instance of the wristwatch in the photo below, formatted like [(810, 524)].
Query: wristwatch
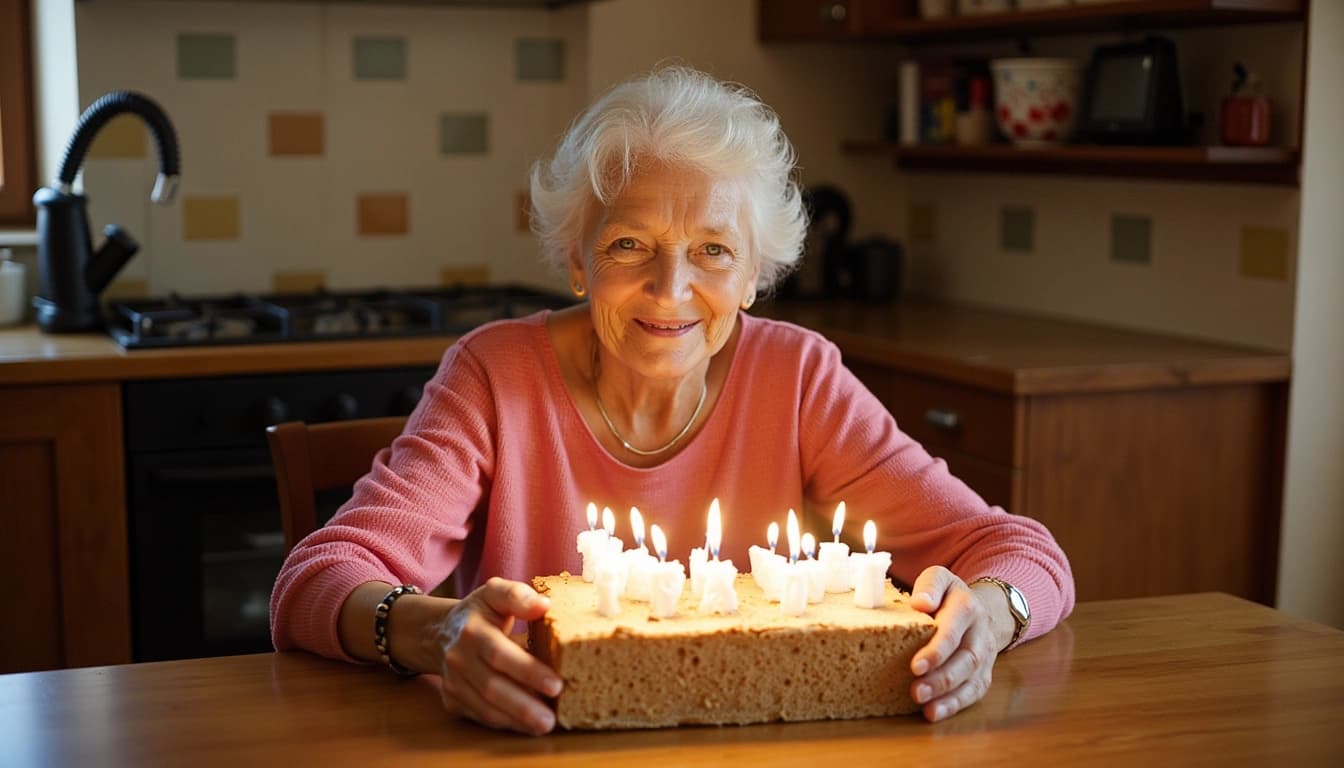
[(1017, 606)]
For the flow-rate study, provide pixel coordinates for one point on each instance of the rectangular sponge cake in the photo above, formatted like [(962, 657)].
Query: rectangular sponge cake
[(836, 661)]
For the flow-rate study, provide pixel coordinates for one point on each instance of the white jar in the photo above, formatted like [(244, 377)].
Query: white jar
[(13, 290)]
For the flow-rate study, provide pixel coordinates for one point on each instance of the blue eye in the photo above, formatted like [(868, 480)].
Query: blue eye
[(626, 243)]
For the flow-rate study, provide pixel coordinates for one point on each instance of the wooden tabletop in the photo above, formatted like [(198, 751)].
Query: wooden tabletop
[(1001, 351), (1192, 679)]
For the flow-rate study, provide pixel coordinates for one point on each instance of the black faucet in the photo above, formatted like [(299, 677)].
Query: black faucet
[(72, 275)]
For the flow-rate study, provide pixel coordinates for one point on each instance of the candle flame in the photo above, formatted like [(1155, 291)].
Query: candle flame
[(714, 531), (839, 521), (608, 521), (637, 526), (659, 542), (794, 544), (772, 535), (592, 515), (869, 536), (809, 545)]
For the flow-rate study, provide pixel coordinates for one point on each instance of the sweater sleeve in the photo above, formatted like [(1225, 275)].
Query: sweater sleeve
[(407, 519), (852, 450)]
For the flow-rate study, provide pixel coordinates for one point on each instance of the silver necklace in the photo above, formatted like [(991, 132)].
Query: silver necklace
[(704, 390)]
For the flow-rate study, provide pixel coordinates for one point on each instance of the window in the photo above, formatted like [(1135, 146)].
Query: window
[(18, 150)]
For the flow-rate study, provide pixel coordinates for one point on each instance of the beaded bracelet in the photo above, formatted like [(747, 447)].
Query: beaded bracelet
[(380, 614)]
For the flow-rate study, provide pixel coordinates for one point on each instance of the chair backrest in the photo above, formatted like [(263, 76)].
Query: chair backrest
[(320, 457)]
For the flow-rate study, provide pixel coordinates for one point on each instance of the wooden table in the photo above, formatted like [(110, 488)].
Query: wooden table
[(1181, 680)]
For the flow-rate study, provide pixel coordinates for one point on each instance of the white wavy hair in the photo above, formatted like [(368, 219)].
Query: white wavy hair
[(677, 116)]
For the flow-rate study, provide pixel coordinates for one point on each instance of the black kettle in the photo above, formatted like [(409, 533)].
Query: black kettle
[(72, 274)]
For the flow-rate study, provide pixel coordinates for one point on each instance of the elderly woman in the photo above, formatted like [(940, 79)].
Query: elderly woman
[(670, 206)]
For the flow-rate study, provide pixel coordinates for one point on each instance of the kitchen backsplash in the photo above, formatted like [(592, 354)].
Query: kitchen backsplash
[(329, 144)]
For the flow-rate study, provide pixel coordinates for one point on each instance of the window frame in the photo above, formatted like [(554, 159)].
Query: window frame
[(18, 146)]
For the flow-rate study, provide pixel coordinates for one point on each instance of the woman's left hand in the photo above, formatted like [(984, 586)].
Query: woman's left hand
[(954, 670)]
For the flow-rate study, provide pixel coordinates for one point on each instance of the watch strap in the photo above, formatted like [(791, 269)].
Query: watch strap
[(1020, 620)]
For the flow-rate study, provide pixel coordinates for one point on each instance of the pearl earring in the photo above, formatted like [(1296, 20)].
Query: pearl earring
[(579, 290), (749, 300)]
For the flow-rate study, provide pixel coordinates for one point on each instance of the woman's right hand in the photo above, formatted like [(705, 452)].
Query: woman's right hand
[(486, 675)]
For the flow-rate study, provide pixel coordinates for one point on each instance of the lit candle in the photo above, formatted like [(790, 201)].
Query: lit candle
[(610, 581), (719, 595), (614, 544), (589, 546), (793, 576), (668, 579), (816, 577), (834, 555), (639, 563), (872, 571), (764, 561)]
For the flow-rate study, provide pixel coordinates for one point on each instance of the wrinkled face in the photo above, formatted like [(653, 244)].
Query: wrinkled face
[(668, 264)]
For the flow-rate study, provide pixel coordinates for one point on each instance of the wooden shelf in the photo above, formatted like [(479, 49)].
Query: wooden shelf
[(1233, 165), (1073, 19)]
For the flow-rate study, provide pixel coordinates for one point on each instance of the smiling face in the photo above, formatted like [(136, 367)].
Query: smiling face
[(667, 265)]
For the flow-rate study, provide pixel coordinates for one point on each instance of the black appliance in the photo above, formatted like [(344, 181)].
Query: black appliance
[(1132, 95), (835, 268), (72, 274), (205, 534)]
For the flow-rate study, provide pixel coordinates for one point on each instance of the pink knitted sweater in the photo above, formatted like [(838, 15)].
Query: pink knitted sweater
[(496, 466)]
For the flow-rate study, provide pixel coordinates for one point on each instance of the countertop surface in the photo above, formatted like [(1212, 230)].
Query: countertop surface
[(994, 350)]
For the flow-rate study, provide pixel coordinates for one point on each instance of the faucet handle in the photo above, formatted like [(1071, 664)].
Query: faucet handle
[(110, 258)]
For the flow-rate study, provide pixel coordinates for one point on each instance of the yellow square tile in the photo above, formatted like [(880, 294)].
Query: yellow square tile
[(1264, 253), (384, 214), (123, 136), (296, 133), (303, 281), (210, 218), (468, 275), (126, 288)]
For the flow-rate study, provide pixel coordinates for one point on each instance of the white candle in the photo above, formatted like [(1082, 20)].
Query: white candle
[(871, 582), (639, 563), (668, 579), (762, 558), (610, 580), (589, 546), (719, 595), (834, 555), (699, 556), (816, 577), (793, 595)]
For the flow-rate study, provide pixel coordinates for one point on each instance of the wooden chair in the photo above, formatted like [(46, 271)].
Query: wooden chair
[(312, 458)]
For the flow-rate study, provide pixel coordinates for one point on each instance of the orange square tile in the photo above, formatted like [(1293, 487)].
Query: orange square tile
[(386, 214), (210, 218), (471, 275), (304, 281), (296, 133), (126, 288)]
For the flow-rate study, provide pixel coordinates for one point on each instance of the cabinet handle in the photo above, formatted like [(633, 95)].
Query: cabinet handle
[(942, 419), (832, 11)]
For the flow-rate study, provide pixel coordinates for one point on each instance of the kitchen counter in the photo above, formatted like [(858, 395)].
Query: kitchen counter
[(990, 349)]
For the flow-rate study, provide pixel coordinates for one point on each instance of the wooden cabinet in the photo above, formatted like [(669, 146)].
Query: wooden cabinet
[(62, 503), (1149, 491)]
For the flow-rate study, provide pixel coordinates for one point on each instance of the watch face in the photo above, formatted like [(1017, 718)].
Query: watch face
[(1019, 602)]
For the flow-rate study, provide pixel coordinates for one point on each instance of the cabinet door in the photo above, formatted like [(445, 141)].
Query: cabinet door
[(62, 503), (783, 21)]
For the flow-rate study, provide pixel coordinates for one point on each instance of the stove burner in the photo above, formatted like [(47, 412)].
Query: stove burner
[(186, 321)]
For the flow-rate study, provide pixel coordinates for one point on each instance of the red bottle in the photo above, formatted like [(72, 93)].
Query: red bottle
[(1246, 113)]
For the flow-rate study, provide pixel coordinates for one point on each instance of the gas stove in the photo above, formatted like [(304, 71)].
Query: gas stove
[(179, 321)]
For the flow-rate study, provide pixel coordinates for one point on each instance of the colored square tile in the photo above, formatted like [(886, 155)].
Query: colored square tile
[(380, 58), (386, 214), (455, 276), (303, 281), (123, 136), (210, 218), (461, 134), (1132, 239), (126, 288), (205, 57), (540, 60), (522, 216), (1264, 253), (920, 220), (1017, 229), (296, 133)]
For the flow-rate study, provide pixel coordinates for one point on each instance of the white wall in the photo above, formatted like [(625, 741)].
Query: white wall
[(1311, 573)]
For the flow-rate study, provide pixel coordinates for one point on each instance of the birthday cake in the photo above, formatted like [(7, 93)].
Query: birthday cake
[(757, 664)]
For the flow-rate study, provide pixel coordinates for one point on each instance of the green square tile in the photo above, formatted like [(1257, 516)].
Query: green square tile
[(1017, 229), (540, 60), (464, 134), (380, 58), (1132, 239), (205, 57)]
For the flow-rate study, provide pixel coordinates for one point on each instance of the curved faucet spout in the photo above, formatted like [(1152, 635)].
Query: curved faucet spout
[(103, 110)]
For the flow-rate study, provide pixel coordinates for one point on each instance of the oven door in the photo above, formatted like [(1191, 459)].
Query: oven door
[(208, 543)]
